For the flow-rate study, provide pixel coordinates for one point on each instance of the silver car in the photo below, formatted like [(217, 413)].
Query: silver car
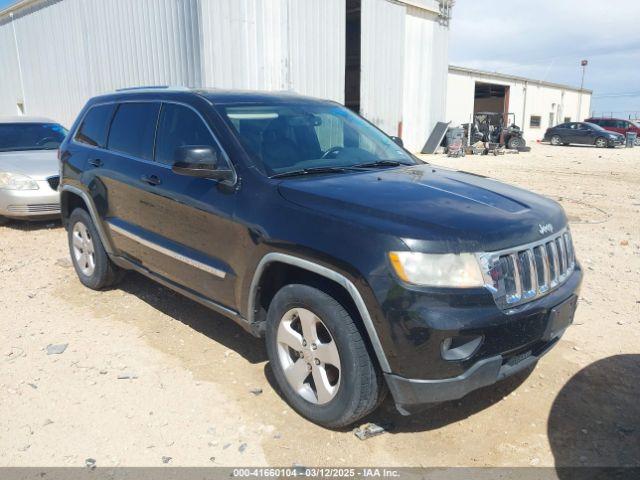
[(29, 167)]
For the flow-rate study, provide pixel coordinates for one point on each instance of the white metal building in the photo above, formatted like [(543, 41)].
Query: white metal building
[(384, 58), (537, 104)]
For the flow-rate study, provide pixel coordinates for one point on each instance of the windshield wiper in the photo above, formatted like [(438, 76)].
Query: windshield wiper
[(311, 171), (381, 164)]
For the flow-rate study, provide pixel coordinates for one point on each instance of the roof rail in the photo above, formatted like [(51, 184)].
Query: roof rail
[(153, 87)]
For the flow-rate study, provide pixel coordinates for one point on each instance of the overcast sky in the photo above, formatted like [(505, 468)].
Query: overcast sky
[(546, 39)]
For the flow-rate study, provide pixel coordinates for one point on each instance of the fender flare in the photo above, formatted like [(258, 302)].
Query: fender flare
[(93, 212), (337, 277)]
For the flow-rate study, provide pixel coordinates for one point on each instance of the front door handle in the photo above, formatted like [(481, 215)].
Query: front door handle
[(151, 179), (96, 162)]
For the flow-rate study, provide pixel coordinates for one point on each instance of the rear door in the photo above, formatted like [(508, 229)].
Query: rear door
[(571, 133), (119, 182)]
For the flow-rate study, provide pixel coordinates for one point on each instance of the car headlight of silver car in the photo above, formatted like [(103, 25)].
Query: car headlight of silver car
[(438, 270), (17, 181)]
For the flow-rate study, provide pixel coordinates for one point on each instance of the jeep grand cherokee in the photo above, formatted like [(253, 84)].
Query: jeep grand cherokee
[(365, 269)]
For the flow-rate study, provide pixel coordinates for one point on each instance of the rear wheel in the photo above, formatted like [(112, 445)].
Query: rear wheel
[(556, 140), (319, 358), (94, 268), (516, 142), (601, 142)]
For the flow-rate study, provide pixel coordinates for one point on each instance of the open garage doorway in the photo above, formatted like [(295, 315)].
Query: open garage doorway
[(353, 55), (491, 97)]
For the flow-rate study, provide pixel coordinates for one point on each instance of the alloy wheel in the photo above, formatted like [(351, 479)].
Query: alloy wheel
[(308, 356), (83, 249)]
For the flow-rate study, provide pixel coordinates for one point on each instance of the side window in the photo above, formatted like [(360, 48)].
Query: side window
[(622, 124), (180, 126), (133, 129), (95, 125)]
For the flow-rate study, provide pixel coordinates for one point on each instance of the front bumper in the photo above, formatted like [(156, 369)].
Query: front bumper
[(412, 395), (44, 202), (511, 342)]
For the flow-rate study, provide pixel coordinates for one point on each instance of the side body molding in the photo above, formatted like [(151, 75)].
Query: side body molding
[(93, 211), (330, 274)]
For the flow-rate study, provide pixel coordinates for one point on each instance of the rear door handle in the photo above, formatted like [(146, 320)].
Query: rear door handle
[(96, 162), (151, 179)]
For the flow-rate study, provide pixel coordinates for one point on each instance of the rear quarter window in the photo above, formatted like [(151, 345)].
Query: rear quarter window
[(95, 125), (133, 129)]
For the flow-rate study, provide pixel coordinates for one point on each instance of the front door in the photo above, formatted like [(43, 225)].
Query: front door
[(190, 219)]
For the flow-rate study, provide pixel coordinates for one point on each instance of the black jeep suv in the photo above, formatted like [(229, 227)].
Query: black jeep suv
[(365, 269)]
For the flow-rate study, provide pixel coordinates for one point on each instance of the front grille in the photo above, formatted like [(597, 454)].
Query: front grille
[(521, 274), (54, 182), (39, 208)]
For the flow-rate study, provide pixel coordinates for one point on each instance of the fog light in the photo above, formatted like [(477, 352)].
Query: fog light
[(461, 347)]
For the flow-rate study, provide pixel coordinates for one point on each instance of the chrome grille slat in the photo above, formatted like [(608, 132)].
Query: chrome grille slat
[(553, 259), (533, 275), (518, 275), (515, 265), (563, 255)]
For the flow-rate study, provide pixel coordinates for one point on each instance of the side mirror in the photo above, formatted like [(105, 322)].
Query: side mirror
[(398, 141), (199, 161)]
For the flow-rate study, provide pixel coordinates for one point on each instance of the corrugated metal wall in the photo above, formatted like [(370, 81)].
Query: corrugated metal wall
[(74, 49), (71, 50), (425, 76), (293, 45), (382, 63)]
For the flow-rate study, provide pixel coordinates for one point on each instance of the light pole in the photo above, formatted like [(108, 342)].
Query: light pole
[(584, 64)]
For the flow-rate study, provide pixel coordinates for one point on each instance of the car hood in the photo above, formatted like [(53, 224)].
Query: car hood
[(431, 209), (37, 164)]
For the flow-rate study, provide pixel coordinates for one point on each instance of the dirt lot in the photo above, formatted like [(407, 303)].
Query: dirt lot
[(190, 399)]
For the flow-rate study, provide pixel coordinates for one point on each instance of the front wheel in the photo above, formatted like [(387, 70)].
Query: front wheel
[(319, 358), (94, 268), (601, 142), (556, 140)]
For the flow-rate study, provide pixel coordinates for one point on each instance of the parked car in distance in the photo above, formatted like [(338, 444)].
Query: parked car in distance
[(582, 133), (618, 125), (29, 168), (364, 268)]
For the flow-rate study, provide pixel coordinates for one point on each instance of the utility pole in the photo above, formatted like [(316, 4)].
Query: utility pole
[(583, 64)]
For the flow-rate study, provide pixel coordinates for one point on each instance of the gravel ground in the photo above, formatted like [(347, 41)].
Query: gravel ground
[(151, 378)]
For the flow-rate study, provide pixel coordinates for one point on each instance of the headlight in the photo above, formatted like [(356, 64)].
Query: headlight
[(16, 181), (438, 270)]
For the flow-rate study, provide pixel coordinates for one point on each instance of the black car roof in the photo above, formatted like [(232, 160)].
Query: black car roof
[(216, 96)]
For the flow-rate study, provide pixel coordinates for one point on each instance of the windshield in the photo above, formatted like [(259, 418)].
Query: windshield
[(287, 138), (30, 136)]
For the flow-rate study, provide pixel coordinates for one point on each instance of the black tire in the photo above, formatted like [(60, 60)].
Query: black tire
[(556, 140), (4, 220), (105, 273), (516, 142), (601, 142), (361, 386)]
